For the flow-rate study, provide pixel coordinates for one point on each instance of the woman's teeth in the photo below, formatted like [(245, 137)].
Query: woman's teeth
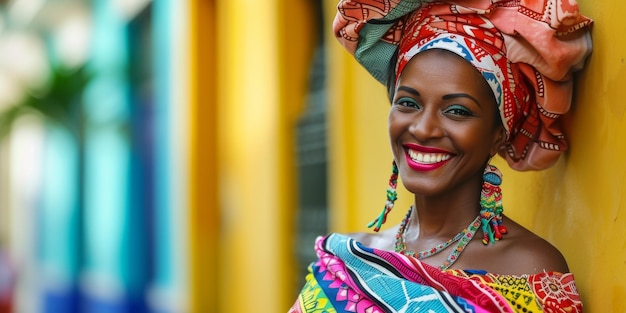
[(428, 158)]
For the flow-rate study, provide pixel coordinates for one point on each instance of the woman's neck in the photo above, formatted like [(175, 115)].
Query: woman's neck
[(443, 215)]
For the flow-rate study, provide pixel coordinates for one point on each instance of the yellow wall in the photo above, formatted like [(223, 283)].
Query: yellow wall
[(250, 62), (577, 204), (250, 145), (204, 212)]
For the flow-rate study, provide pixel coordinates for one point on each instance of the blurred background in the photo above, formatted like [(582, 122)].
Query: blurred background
[(182, 156)]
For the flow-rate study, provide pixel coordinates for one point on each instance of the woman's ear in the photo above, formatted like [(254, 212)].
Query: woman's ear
[(498, 140)]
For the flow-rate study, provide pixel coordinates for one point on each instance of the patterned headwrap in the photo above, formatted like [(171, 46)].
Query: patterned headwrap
[(525, 49)]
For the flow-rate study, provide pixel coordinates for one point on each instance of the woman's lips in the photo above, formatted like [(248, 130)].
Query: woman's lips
[(422, 158)]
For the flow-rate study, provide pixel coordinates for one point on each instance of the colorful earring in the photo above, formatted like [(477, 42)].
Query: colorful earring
[(491, 205), (392, 196)]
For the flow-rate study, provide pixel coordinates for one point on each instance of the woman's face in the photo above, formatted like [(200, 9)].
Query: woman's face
[(443, 124)]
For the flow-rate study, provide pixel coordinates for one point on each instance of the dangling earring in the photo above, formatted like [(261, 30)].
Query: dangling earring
[(392, 196), (491, 205)]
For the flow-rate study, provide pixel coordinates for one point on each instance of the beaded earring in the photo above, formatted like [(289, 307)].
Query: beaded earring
[(392, 196), (491, 205)]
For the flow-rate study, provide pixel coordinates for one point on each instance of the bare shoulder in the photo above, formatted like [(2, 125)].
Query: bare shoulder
[(525, 252)]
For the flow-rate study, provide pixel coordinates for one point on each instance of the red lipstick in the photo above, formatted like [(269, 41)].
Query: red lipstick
[(423, 167)]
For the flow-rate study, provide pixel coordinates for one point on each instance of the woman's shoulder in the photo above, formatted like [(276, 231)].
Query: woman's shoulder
[(525, 252)]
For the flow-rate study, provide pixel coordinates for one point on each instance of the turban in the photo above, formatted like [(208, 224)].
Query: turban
[(526, 50)]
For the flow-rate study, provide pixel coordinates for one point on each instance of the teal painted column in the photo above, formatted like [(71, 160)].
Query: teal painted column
[(59, 222), (115, 261), (168, 290)]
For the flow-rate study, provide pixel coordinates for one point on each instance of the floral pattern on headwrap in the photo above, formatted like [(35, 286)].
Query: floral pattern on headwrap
[(526, 50)]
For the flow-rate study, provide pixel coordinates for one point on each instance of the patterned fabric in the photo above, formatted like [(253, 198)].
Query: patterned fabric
[(525, 49), (349, 277)]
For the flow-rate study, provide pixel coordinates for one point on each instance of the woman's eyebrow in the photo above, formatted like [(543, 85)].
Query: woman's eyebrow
[(460, 95), (409, 90)]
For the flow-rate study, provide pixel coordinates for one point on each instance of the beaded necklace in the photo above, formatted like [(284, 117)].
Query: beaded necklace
[(463, 237)]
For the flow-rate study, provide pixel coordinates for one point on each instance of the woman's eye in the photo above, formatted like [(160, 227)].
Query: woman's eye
[(459, 110), (408, 102)]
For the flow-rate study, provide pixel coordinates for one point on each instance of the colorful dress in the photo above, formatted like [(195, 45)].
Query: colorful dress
[(349, 277)]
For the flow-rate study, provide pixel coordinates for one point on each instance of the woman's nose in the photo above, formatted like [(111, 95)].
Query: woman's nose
[(426, 125)]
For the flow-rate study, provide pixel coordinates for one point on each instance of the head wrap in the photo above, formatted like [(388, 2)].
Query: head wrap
[(525, 49)]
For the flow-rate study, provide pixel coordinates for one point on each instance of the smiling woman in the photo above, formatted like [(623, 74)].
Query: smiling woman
[(466, 83), (443, 113)]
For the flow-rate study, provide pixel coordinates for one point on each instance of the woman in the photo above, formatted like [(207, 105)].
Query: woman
[(468, 80)]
